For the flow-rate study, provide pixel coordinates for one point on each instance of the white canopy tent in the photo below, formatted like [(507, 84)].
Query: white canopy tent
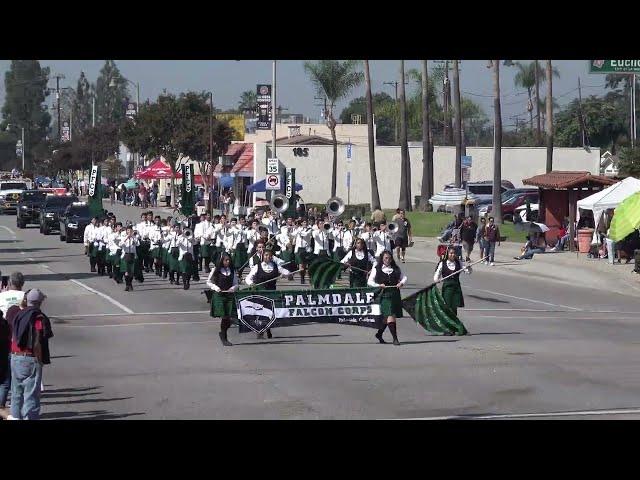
[(609, 198), (454, 197)]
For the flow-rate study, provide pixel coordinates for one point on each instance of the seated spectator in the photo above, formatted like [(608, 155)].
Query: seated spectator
[(533, 246)]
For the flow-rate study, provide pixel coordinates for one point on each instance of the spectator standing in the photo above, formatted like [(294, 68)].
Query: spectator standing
[(13, 294), (484, 247), (378, 216), (29, 352), (403, 235), (492, 236), (468, 231)]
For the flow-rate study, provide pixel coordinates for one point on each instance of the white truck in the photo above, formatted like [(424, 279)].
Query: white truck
[(10, 191)]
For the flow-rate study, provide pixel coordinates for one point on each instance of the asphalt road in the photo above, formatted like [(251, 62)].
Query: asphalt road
[(537, 349)]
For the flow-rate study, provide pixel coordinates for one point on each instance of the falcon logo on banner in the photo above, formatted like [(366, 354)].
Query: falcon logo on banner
[(257, 312)]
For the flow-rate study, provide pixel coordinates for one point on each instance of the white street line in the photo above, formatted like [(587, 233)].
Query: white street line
[(508, 310), (9, 230), (540, 317), (135, 324), (91, 315), (522, 298), (106, 297), (620, 411), (33, 260)]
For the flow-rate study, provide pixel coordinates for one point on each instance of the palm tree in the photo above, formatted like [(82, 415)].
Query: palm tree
[(497, 139), (334, 80), (248, 101), (375, 194), (426, 190), (458, 122), (405, 166), (549, 116), (526, 78)]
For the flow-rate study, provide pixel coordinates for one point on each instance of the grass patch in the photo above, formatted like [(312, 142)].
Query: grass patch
[(430, 224)]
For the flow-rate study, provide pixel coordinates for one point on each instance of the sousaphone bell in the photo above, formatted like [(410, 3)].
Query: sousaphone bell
[(392, 227), (279, 203), (335, 206)]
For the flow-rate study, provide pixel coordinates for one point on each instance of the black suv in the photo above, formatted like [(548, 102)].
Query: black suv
[(73, 222), (29, 206), (52, 209)]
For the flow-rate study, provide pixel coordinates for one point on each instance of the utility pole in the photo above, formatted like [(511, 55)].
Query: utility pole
[(538, 135), (273, 113), (58, 77), (549, 118), (458, 123), (211, 149), (395, 117), (582, 124), (93, 112)]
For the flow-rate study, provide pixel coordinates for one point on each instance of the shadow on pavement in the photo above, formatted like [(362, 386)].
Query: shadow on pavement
[(18, 250), (50, 277), (69, 390), (487, 299), (83, 400), (62, 356), (10, 241), (89, 415)]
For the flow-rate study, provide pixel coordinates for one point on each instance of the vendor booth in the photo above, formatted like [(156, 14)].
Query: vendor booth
[(609, 198)]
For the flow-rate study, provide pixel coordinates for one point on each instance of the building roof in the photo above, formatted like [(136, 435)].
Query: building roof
[(242, 155), (561, 180)]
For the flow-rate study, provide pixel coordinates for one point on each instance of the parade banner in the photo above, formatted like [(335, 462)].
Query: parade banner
[(261, 309), (95, 191), (187, 190), (429, 310)]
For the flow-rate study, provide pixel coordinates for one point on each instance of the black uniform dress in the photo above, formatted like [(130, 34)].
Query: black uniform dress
[(223, 304), (451, 289), (358, 278), (390, 301), (262, 276)]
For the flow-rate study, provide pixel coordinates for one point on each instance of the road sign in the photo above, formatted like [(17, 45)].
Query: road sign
[(466, 161), (614, 66), (273, 167), (273, 182)]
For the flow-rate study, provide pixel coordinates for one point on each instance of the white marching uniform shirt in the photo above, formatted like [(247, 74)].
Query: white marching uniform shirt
[(199, 231), (369, 241), (321, 240), (141, 228), (113, 242), (359, 255), (185, 245), (266, 268), (87, 233), (234, 237), (252, 238), (208, 234), (437, 276), (155, 235), (303, 239), (100, 237), (374, 271), (382, 242), (283, 239), (343, 239), (277, 260), (271, 224), (221, 235), (128, 245), (223, 271)]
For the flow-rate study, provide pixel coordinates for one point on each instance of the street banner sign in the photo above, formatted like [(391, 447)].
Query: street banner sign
[(187, 190), (273, 166), (466, 161), (614, 66), (349, 147), (66, 132), (289, 191), (273, 182), (132, 110), (264, 107)]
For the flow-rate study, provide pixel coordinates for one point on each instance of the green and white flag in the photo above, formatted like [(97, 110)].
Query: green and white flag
[(430, 311), (95, 191)]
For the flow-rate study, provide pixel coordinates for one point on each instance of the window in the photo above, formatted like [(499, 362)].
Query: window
[(60, 201), (31, 196), (13, 186)]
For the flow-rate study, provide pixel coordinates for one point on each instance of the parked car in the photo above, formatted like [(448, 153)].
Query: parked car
[(29, 205), (483, 189), (52, 209), (73, 221), (513, 191), (515, 201)]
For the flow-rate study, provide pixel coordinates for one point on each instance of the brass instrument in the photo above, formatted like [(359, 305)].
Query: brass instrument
[(326, 226), (187, 233), (279, 203), (335, 206), (392, 227)]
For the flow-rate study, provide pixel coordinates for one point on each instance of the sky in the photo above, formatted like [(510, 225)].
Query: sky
[(228, 79)]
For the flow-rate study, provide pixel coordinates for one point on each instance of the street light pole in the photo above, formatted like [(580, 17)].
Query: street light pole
[(23, 147), (211, 150), (273, 113)]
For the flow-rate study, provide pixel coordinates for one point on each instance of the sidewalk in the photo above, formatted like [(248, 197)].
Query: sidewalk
[(563, 267)]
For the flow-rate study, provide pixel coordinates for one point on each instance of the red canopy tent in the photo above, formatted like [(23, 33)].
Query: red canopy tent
[(158, 170)]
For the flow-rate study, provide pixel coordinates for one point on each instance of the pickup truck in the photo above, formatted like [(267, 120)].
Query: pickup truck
[(10, 191)]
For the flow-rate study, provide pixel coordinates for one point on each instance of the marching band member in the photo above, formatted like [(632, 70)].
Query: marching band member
[(266, 273), (359, 258), (253, 235), (207, 244), (221, 235), (283, 240), (129, 247), (185, 257), (382, 240), (155, 238), (115, 252), (238, 243), (451, 289), (198, 232), (321, 239), (166, 230), (367, 236), (173, 254), (388, 276), (223, 281), (303, 250), (256, 258), (100, 242), (89, 237), (141, 228), (270, 223), (342, 242)]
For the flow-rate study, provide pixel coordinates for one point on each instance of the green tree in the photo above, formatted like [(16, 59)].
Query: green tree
[(604, 123), (382, 103), (26, 90), (248, 101), (334, 80), (629, 162), (526, 78), (82, 106), (110, 100)]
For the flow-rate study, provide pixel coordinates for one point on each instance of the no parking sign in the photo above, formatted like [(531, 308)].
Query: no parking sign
[(273, 182)]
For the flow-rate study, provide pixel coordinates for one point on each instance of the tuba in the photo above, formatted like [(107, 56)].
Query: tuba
[(335, 206), (326, 226), (279, 203), (392, 227), (187, 233)]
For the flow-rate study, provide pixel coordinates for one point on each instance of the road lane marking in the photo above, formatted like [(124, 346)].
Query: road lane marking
[(91, 315), (136, 324), (522, 298), (9, 230), (103, 295), (620, 411)]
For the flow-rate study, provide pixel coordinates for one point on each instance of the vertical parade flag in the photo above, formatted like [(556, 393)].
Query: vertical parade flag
[(95, 191), (188, 191)]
